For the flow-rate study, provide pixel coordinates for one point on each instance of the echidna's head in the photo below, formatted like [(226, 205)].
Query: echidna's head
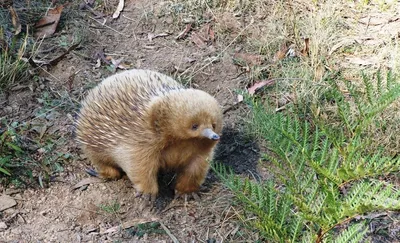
[(190, 114)]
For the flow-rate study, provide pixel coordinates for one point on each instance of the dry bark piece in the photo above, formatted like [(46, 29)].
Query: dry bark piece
[(6, 202)]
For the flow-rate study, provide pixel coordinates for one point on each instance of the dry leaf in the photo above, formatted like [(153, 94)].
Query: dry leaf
[(197, 40), (306, 49), (279, 55), (252, 90), (184, 32), (212, 35), (47, 25), (202, 36), (120, 7), (86, 181)]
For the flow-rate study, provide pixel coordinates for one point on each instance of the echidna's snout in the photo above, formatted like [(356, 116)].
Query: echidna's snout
[(210, 134)]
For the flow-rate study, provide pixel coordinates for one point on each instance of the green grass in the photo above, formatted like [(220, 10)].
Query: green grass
[(111, 208), (12, 68), (29, 157)]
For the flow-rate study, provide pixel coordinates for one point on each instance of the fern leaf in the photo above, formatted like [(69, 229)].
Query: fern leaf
[(369, 88), (354, 233)]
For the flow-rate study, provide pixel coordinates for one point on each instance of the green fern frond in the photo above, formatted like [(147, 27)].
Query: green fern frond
[(262, 200), (327, 171), (354, 234), (369, 88)]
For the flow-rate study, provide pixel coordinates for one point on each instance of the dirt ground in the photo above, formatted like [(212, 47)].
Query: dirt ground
[(101, 211), (106, 211)]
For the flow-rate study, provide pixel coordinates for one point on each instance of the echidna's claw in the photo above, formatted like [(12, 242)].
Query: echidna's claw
[(147, 200), (92, 172), (186, 196)]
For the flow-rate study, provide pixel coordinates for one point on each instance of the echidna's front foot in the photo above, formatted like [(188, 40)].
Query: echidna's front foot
[(186, 196), (146, 196), (147, 200)]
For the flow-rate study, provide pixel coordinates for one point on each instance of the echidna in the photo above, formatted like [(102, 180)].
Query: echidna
[(140, 121)]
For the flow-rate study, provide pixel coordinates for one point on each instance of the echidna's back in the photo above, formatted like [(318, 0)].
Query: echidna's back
[(116, 107)]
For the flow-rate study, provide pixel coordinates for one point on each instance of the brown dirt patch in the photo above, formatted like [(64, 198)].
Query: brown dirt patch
[(57, 213)]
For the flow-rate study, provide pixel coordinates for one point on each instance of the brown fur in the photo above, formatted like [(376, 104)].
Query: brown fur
[(141, 121)]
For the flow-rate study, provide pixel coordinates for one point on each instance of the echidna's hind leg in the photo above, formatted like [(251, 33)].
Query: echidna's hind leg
[(109, 172), (107, 169), (141, 165)]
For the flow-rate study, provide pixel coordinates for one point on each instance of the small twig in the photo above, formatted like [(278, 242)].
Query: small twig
[(234, 106), (116, 31), (58, 59), (173, 238)]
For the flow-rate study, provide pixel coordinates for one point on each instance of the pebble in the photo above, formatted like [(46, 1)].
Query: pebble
[(3, 226), (8, 110)]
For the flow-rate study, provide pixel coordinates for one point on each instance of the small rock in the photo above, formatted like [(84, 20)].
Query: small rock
[(3, 226), (6, 202), (53, 115), (8, 110), (20, 219), (188, 20), (90, 230)]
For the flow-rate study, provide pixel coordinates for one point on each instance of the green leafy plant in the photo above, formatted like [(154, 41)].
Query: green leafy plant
[(111, 208), (9, 147), (325, 175)]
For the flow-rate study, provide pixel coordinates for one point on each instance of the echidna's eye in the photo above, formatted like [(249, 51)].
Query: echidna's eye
[(214, 125), (194, 127)]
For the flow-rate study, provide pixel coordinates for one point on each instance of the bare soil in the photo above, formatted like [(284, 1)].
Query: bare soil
[(107, 211)]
